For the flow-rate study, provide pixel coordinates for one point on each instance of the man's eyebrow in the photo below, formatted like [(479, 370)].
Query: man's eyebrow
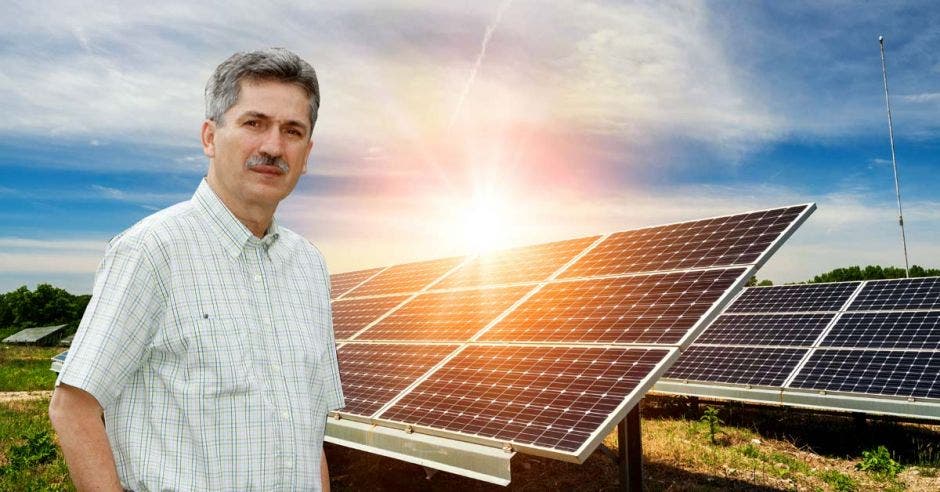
[(259, 114)]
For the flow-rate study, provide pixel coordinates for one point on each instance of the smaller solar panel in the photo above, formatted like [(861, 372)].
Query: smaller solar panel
[(445, 316), (61, 357), (340, 283), (914, 293), (528, 264), (765, 329), (879, 372), (737, 365), (656, 308), (554, 397), (352, 315), (405, 278), (908, 330), (730, 240), (374, 374), (794, 298)]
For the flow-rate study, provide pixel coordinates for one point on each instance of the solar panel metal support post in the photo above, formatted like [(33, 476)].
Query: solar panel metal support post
[(630, 451)]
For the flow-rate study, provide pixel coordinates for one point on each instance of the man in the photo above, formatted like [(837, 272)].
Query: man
[(205, 360)]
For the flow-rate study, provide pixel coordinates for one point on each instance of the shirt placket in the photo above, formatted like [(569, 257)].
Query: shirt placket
[(276, 393)]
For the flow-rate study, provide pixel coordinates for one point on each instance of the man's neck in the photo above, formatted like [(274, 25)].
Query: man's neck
[(256, 218)]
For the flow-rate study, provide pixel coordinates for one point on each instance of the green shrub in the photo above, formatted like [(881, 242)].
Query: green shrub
[(840, 482), (39, 448), (878, 462)]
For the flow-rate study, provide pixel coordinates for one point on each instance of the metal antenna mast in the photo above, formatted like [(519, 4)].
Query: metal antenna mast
[(894, 162)]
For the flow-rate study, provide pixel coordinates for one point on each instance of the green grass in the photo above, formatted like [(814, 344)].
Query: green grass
[(24, 427), (840, 482), (26, 368)]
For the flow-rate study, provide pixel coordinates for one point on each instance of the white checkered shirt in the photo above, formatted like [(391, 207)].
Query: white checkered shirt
[(211, 352)]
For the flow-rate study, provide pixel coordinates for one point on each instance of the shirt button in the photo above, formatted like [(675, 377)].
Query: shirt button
[(276, 369), (285, 416), (257, 277)]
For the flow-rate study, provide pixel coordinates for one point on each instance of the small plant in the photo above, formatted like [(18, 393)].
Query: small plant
[(879, 463), (38, 449), (751, 451), (710, 417), (840, 482)]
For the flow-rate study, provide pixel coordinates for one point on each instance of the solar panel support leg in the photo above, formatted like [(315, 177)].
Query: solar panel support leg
[(630, 452)]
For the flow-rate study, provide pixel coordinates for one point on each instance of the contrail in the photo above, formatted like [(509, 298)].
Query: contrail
[(476, 66)]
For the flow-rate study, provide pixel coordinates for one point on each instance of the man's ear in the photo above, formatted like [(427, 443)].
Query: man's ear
[(208, 138), (303, 170)]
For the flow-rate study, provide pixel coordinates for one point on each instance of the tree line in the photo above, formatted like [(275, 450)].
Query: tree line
[(45, 306)]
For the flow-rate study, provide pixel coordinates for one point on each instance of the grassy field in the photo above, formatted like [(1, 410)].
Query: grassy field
[(752, 448), (26, 368)]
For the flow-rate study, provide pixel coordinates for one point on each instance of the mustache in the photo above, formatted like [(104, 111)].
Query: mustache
[(267, 160)]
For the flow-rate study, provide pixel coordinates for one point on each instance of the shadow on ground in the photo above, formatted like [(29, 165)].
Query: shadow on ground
[(353, 470)]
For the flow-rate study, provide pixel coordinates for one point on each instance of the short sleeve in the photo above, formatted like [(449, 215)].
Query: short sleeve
[(329, 366), (119, 323)]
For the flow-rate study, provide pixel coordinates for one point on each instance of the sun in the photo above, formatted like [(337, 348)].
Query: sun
[(485, 223)]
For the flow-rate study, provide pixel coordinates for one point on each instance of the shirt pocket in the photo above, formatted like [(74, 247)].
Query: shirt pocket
[(216, 356)]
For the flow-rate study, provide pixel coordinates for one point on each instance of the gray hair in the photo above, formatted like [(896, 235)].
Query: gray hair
[(276, 64)]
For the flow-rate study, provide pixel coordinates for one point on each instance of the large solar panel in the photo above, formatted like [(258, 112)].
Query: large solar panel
[(550, 397), (342, 283), (794, 298), (722, 241), (528, 264), (915, 293), (866, 344), (873, 372), (445, 316), (410, 277), (752, 366), (547, 360), (373, 374), (352, 315), (657, 308)]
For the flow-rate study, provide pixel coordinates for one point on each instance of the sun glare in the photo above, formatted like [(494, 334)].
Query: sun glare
[(485, 224)]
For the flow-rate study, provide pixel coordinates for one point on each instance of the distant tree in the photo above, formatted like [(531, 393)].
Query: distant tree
[(47, 305), (753, 281), (872, 272)]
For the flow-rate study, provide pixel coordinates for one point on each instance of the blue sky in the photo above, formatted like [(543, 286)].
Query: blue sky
[(517, 121)]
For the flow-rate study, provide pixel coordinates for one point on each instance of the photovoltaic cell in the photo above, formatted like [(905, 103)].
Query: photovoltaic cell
[(914, 293), (737, 365), (445, 316), (553, 397), (765, 329), (528, 264), (406, 278), (878, 372), (374, 374), (342, 282), (352, 315), (908, 330), (657, 308), (731, 240), (793, 298)]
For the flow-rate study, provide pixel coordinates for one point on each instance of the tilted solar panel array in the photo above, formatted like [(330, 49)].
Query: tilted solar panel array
[(863, 342), (542, 348)]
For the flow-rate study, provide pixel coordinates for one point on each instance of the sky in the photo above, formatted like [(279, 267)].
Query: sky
[(450, 127)]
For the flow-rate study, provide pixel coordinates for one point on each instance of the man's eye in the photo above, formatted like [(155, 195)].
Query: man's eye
[(251, 123)]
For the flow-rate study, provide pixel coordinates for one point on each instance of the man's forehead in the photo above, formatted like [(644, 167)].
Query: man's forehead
[(271, 99)]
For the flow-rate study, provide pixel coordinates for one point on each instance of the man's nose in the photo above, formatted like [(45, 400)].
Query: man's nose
[(272, 142)]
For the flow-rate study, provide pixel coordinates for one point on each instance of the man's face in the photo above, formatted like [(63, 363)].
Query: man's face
[(259, 153)]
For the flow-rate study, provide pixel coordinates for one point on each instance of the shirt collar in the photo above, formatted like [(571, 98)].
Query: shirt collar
[(233, 235)]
